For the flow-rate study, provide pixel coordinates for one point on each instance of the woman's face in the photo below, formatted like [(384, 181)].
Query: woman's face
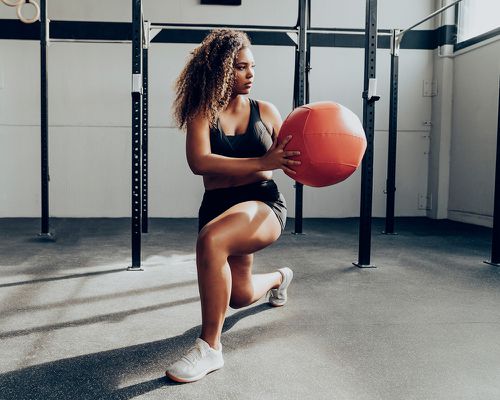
[(244, 65)]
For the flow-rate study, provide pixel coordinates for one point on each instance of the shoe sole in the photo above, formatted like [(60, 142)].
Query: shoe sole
[(277, 303), (194, 379)]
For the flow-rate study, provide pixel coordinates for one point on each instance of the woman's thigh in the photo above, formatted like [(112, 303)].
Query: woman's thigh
[(242, 229)]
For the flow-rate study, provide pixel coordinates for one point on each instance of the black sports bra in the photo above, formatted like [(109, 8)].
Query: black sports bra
[(253, 143)]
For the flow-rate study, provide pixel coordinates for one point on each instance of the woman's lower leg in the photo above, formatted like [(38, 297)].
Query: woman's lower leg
[(262, 283), (214, 283)]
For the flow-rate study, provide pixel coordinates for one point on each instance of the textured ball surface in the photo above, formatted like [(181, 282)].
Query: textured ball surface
[(331, 141)]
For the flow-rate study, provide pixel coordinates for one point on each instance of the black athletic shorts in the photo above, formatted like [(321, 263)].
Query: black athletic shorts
[(216, 201)]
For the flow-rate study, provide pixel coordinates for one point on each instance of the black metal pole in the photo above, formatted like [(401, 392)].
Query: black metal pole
[(136, 132), (300, 100), (44, 122), (308, 55), (495, 241), (145, 124), (393, 133), (369, 126)]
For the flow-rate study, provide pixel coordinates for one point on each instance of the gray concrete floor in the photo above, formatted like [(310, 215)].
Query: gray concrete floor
[(425, 324)]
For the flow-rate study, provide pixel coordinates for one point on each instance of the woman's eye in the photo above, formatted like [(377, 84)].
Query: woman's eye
[(243, 67)]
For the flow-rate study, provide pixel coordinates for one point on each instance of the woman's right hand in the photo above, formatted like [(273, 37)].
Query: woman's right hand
[(278, 158)]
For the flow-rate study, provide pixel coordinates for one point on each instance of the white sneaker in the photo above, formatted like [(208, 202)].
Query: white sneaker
[(196, 363), (278, 297)]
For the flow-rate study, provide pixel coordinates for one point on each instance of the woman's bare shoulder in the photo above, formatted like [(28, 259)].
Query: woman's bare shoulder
[(197, 122), (270, 114)]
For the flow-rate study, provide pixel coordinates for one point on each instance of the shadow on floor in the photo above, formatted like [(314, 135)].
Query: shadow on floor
[(100, 375), (58, 278)]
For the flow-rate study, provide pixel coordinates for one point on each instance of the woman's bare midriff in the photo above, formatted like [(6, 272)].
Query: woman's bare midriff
[(223, 181)]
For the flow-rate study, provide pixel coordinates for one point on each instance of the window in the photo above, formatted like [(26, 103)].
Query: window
[(478, 20)]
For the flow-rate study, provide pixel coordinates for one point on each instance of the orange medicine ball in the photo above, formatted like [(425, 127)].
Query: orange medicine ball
[(331, 141)]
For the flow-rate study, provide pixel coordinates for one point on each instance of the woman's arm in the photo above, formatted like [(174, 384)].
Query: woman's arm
[(203, 162)]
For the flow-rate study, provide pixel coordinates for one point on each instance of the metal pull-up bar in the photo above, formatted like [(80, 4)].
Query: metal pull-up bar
[(207, 27), (437, 12), (397, 36), (301, 30)]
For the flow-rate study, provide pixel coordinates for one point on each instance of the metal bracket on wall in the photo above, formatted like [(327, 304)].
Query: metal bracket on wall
[(137, 83), (295, 37), (153, 32), (47, 33), (396, 37), (146, 34), (370, 94)]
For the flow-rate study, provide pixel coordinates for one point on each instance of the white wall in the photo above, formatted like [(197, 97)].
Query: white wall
[(89, 107), (463, 136), (473, 144)]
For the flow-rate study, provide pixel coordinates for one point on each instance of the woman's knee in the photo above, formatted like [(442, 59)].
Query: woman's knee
[(240, 300), (209, 241)]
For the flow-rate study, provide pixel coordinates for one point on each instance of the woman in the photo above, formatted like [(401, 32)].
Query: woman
[(232, 142)]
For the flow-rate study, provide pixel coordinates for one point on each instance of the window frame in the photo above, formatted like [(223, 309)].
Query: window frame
[(475, 39)]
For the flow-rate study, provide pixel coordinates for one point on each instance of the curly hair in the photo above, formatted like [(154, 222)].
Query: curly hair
[(205, 84)]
